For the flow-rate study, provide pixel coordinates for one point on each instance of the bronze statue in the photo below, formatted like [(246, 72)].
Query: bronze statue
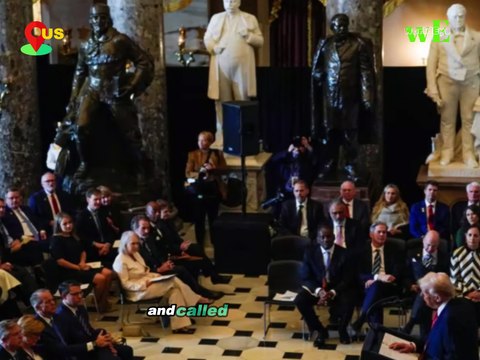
[(101, 81), (343, 72)]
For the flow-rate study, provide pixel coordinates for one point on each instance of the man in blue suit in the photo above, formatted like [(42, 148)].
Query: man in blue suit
[(72, 320), (52, 344), (49, 201), (454, 328), (430, 214), (327, 280)]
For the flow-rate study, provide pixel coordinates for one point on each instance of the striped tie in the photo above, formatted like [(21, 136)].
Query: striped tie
[(427, 261), (377, 262)]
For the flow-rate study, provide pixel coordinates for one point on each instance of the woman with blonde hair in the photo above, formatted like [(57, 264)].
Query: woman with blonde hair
[(140, 284), (31, 331), (393, 211), (70, 255)]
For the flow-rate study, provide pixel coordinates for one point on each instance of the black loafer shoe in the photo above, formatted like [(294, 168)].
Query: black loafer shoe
[(215, 295), (221, 279)]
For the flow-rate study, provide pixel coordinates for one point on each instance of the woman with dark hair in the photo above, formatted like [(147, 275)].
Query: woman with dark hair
[(70, 255), (392, 210), (471, 216)]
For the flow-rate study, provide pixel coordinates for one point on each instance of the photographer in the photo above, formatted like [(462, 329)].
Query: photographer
[(296, 163), (205, 185)]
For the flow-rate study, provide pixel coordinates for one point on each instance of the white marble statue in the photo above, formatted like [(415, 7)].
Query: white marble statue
[(230, 38), (453, 68)]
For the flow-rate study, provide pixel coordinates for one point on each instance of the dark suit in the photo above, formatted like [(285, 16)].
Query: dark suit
[(454, 335), (361, 213), (74, 333), (394, 257), (418, 220), (30, 253), (354, 236), (51, 346), (40, 206), (415, 270), (290, 221), (88, 232), (5, 355), (340, 280)]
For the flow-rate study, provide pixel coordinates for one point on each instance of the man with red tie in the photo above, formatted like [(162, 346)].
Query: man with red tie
[(454, 326), (430, 214), (355, 208), (49, 201)]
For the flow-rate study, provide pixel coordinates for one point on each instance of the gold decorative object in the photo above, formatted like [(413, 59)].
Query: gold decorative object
[(184, 55), (175, 5)]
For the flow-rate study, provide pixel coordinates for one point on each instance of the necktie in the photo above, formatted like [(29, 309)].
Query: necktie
[(299, 217), (430, 218), (347, 210), (27, 222), (339, 240), (83, 322), (327, 266), (55, 205), (427, 261), (96, 219), (377, 262), (434, 317)]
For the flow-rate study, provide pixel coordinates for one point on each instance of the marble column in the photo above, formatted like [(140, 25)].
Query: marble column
[(366, 18), (19, 121), (142, 20)]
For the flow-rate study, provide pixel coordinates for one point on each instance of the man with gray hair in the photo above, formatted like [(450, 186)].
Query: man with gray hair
[(454, 326), (453, 66), (458, 209), (10, 341)]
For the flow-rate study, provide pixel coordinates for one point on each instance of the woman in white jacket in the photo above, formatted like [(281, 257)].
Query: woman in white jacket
[(136, 279)]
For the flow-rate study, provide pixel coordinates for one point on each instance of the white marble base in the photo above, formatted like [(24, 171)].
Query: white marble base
[(255, 181), (454, 169)]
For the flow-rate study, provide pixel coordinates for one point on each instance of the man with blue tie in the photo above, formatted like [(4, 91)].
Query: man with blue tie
[(52, 344), (430, 214), (28, 238), (430, 257), (327, 280), (10, 341), (72, 320), (454, 326)]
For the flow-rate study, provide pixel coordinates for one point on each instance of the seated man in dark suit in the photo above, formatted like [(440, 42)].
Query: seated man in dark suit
[(426, 258), (11, 341), (327, 280), (454, 328), (49, 201), (348, 232), (380, 268), (52, 343), (301, 216), (93, 229), (182, 252), (74, 325), (430, 214), (158, 260), (355, 208), (29, 239), (458, 209), (28, 282)]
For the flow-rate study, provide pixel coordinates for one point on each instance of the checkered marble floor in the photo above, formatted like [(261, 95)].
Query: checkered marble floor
[(237, 336)]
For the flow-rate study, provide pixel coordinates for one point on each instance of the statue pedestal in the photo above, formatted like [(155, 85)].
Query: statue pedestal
[(255, 180), (452, 170), (452, 184)]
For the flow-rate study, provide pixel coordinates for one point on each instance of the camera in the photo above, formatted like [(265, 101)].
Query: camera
[(273, 201)]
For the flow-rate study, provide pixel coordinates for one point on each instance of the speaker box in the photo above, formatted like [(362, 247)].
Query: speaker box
[(242, 243), (240, 128)]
